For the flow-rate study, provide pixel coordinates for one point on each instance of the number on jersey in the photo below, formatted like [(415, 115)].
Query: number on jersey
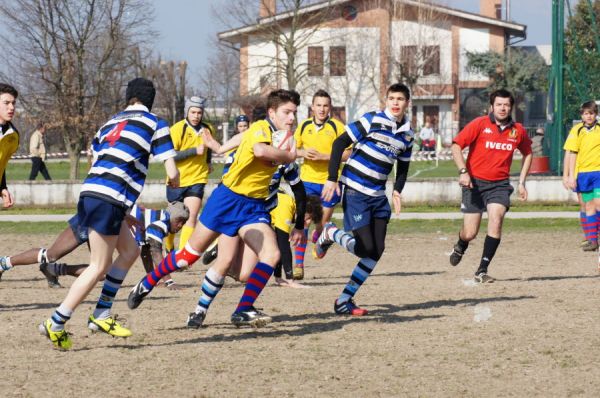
[(113, 136)]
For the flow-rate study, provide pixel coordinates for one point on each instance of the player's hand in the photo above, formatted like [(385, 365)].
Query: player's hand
[(464, 180), (522, 192), (329, 189), (200, 149), (313, 154), (571, 183), (134, 222), (209, 140), (296, 236), (293, 152), (397, 202), (174, 181), (7, 199)]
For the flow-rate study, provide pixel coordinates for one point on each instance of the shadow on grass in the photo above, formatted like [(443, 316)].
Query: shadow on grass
[(41, 306), (550, 278)]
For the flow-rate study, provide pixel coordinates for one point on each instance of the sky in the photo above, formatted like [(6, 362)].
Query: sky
[(188, 28)]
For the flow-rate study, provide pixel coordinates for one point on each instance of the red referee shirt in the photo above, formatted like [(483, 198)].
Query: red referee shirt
[(491, 149)]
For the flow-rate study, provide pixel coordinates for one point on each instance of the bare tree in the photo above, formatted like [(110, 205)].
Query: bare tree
[(71, 59), (289, 25), (417, 63), (220, 80)]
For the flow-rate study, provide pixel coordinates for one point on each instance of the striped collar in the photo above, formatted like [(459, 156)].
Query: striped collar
[(137, 107)]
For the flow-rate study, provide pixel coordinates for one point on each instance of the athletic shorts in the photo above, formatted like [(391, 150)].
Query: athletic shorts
[(315, 189), (81, 234), (226, 211), (588, 183), (476, 199), (361, 209), (178, 194), (101, 216)]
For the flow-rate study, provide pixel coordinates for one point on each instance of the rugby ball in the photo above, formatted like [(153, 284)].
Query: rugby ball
[(282, 139)]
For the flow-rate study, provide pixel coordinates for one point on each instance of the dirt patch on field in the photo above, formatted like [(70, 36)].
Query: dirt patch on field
[(536, 332)]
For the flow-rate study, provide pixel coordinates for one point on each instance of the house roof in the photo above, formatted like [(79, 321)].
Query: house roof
[(234, 35)]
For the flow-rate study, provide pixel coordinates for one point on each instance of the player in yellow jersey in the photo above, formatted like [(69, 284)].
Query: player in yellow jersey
[(314, 140), (583, 144), (9, 141), (238, 207), (193, 163), (9, 137)]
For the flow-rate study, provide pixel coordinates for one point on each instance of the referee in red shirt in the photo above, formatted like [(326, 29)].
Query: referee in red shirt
[(484, 178)]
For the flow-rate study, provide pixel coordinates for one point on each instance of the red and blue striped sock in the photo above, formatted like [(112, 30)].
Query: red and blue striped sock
[(171, 263), (300, 252), (590, 228), (582, 221), (255, 285)]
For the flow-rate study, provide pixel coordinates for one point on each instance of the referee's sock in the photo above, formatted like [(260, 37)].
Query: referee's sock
[(489, 250)]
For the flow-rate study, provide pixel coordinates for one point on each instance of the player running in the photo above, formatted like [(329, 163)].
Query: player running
[(380, 139), (238, 207), (122, 147)]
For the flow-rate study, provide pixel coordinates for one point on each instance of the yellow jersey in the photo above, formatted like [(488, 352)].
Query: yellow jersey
[(248, 175), (282, 216), (585, 142), (9, 142), (309, 135), (192, 170)]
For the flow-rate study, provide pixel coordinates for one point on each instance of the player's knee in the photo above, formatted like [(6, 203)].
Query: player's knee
[(377, 253), (270, 256)]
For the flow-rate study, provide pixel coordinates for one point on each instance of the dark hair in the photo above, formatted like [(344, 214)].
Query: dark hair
[(8, 89), (322, 94), (398, 88), (589, 106), (279, 97), (502, 93), (259, 113), (313, 207), (40, 125)]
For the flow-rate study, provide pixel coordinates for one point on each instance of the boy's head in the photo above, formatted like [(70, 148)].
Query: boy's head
[(589, 112), (8, 99), (178, 215), (140, 90), (281, 108), (396, 99), (501, 102), (194, 109), (321, 106), (314, 210)]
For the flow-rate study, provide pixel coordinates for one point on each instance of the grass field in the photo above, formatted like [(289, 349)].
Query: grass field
[(60, 170)]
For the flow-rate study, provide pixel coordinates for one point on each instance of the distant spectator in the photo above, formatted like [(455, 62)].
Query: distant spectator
[(427, 136), (537, 143), (37, 152)]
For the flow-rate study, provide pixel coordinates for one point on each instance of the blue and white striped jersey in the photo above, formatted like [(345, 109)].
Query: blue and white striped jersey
[(156, 223), (122, 148), (378, 141), (288, 172)]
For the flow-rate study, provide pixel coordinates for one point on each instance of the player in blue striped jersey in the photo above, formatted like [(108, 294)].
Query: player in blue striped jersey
[(379, 140), (122, 148)]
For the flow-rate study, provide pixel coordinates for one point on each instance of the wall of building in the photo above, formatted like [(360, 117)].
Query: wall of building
[(440, 190)]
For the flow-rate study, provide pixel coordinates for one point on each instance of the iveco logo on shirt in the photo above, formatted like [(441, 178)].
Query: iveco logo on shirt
[(498, 145)]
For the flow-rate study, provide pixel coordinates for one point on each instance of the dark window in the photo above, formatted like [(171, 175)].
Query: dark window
[(431, 60), (413, 117), (498, 11), (315, 61), (337, 61), (339, 112), (408, 60), (431, 114)]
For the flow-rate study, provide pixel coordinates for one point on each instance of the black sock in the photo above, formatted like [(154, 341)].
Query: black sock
[(489, 250)]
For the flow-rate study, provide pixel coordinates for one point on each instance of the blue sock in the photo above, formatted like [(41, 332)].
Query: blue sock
[(111, 286), (212, 284), (359, 276), (60, 317)]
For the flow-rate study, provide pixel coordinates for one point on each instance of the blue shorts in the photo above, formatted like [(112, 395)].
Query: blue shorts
[(101, 216), (361, 209), (226, 211), (81, 234), (178, 194), (588, 181), (316, 190)]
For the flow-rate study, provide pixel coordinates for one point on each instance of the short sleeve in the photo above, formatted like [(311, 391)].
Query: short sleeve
[(162, 145), (359, 129), (468, 134)]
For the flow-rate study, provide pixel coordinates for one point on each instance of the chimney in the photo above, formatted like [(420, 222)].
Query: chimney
[(491, 8), (266, 8)]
